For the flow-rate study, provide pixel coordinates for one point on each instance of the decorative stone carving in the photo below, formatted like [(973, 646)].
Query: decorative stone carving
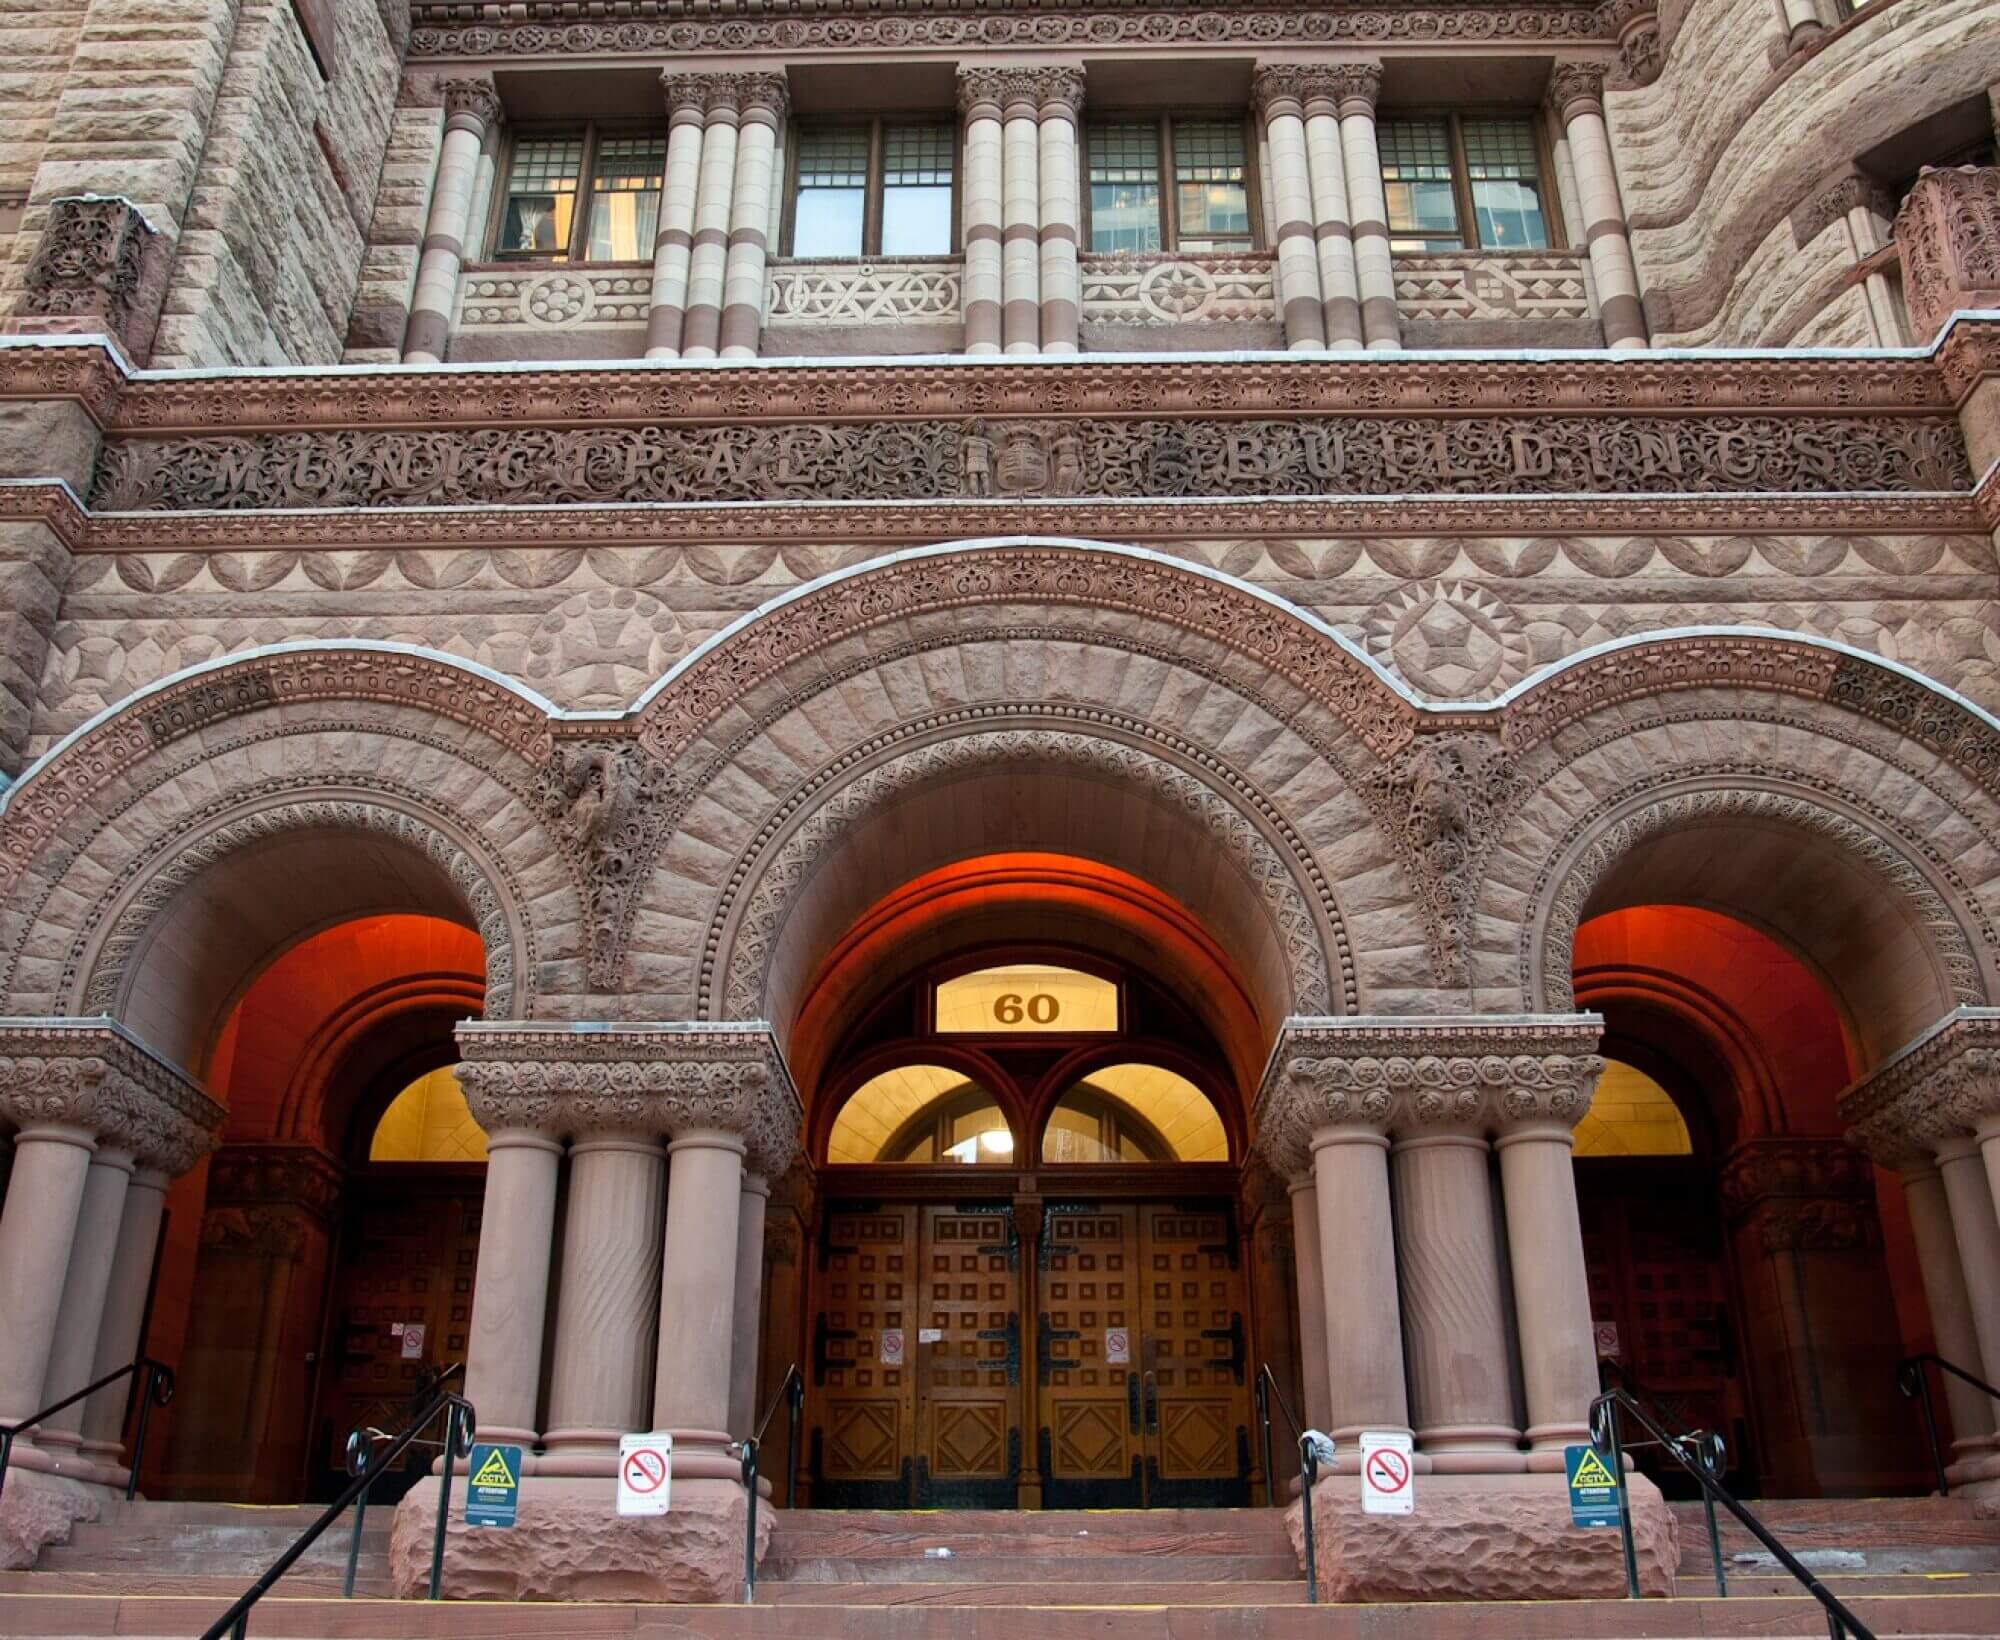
[(1576, 88), (501, 299), (606, 799), (1148, 459), (94, 1075), (1051, 85), (1475, 1072), (574, 1080), (864, 293), (1641, 53), (1945, 1085), (1492, 285), (474, 99), (1949, 234), (1452, 640), (1854, 191), (1172, 289), (89, 265), (1801, 1195), (1356, 86)]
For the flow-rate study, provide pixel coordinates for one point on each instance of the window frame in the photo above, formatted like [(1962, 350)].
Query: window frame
[(873, 189), (592, 132), (1455, 116), (1162, 120)]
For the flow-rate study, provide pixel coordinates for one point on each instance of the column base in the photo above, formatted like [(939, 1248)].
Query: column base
[(38, 1509), (569, 1543), (1482, 1537)]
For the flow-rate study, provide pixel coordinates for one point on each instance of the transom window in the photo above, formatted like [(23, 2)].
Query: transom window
[(873, 189), (590, 196), (1174, 182), (1026, 998), (1463, 183)]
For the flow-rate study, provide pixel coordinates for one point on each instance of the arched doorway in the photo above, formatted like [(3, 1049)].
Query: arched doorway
[(1029, 1285)]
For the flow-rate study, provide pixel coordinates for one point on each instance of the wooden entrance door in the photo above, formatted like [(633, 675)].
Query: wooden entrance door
[(1142, 1358), (968, 1357), (862, 1390)]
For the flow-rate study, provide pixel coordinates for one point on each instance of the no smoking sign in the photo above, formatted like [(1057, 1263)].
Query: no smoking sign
[(1388, 1483), (645, 1473)]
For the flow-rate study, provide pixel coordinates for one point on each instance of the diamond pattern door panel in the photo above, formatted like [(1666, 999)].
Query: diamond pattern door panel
[(862, 1390), (1196, 1348), (966, 1352), (1090, 1440)]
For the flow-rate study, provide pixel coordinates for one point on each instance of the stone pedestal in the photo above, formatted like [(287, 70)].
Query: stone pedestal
[(37, 1510)]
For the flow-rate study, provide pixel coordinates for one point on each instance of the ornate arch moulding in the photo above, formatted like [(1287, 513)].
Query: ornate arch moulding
[(647, 1079), (94, 1074), (1945, 1085), (1395, 1075)]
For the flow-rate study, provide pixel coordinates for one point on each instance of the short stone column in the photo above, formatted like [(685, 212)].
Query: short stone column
[(510, 1284), (1950, 1305), (470, 106), (1976, 1228), (1311, 1277), (1333, 231), (1021, 214), (119, 1340), (764, 103), (1576, 91), (85, 1288), (686, 98), (715, 197), (37, 1230), (979, 93), (1364, 1335), (698, 1291), (1061, 208), (601, 1383), (1355, 88), (1279, 98), (1948, 236), (746, 1336)]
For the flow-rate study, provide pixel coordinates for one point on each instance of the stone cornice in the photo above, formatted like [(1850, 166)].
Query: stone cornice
[(95, 1075), (1398, 1076), (1943, 1086), (569, 1081)]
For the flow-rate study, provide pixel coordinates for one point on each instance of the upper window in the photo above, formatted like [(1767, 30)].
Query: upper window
[(874, 189), (1463, 183), (1175, 183), (588, 196), (1631, 1115), (1027, 997), (921, 1114)]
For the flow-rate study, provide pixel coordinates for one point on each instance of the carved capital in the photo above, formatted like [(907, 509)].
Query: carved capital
[(1832, 203), (298, 1175), (472, 100), (1943, 1086), (1356, 87), (764, 94), (1576, 88), (567, 1081), (1008, 91), (1287, 88), (1800, 1195), (1948, 233), (94, 1075), (683, 93), (88, 267), (1641, 51), (1478, 1073)]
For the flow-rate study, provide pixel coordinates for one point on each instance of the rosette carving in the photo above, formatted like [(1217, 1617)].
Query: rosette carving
[(92, 1075)]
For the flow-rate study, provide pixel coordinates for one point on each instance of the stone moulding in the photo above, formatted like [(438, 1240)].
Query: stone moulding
[(1945, 1085), (93, 1074), (1472, 1072)]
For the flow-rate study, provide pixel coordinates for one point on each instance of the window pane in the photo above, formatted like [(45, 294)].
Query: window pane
[(1124, 187), (541, 197), (833, 182), (1506, 185), (1027, 997), (625, 198), (1416, 178), (1208, 178), (916, 190)]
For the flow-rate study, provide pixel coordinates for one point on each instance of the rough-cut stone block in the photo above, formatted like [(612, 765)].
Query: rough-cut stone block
[(37, 1510), (569, 1543), (1480, 1537)]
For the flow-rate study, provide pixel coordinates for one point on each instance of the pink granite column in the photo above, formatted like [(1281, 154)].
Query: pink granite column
[(471, 105), (1357, 1249), (119, 1340), (510, 1293), (746, 1334), (979, 104), (1576, 90), (38, 1227), (600, 1384), (764, 105), (1551, 1285), (86, 1285), (1061, 208), (698, 1299), (1976, 1229), (686, 95), (715, 194), (1950, 1306), (1021, 212), (1280, 103), (1311, 1276), (1333, 233), (1357, 85)]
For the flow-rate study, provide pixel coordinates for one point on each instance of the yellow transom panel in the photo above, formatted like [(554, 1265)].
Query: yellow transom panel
[(429, 1121), (1631, 1115), (1026, 997)]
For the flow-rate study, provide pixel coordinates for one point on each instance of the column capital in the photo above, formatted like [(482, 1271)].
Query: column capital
[(296, 1175), (1948, 233), (1050, 87), (682, 92), (1298, 87), (571, 1080), (1641, 54), (94, 1075), (1474, 1073), (89, 269), (1800, 1194), (1943, 1086), (1576, 87), (1356, 87), (472, 101)]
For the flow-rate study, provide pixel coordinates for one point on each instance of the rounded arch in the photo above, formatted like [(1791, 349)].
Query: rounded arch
[(977, 1068)]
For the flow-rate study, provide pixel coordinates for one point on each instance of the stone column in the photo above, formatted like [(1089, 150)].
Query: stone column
[(510, 1283), (1364, 1335), (1311, 1276), (1333, 232), (979, 105), (1021, 215), (607, 1313), (37, 1230), (1062, 282), (1976, 1228), (119, 1340), (1356, 86), (1280, 102), (1950, 1308), (746, 1335), (470, 106), (764, 102), (686, 98), (698, 1289), (1577, 92), (715, 194), (85, 1287), (1453, 1313)]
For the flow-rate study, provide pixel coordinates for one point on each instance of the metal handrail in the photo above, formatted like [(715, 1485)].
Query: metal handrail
[(1267, 1391), (1605, 1439), (792, 1390), (1914, 1381), (159, 1391), (461, 1422), (1706, 1445)]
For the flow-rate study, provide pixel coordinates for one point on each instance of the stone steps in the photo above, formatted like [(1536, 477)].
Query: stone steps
[(1163, 1569), (1852, 1535)]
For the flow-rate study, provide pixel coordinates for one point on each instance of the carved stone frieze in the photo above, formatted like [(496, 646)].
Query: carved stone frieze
[(1801, 1195), (1948, 232), (1169, 288), (569, 1081), (864, 293), (88, 266), (1493, 285), (607, 799), (983, 458), (1943, 1086), (1475, 1072), (92, 1074), (294, 1175)]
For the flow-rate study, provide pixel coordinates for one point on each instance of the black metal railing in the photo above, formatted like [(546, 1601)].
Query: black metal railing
[(460, 1424), (1705, 1445), (791, 1392), (156, 1391), (364, 1445), (1913, 1378), (1267, 1391), (1607, 1440)]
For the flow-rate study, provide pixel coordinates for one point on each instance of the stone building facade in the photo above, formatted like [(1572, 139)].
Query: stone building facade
[(1425, 569)]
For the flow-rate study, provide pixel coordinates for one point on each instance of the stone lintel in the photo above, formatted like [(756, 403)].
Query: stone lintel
[(1944, 1085), (94, 1074)]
